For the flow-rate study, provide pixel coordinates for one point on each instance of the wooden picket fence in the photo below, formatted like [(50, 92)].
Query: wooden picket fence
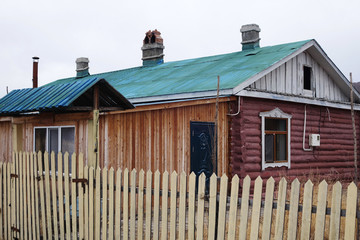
[(89, 203)]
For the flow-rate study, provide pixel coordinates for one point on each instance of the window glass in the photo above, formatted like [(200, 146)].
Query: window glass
[(281, 147), (40, 139), (67, 140), (53, 140), (273, 124), (269, 148), (307, 78)]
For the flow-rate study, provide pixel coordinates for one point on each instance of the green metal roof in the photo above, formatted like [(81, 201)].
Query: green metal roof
[(193, 75), (62, 96)]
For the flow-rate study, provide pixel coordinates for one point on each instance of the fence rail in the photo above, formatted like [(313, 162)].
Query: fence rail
[(38, 202)]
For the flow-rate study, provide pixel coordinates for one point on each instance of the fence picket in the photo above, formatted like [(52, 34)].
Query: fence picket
[(28, 198), (212, 206), (132, 203), (74, 207), (201, 206), (334, 232), (61, 196), (140, 209), (8, 206), (191, 211), (156, 205), (97, 203), (42, 196), (67, 195), (306, 214), (320, 211), (293, 212), (148, 205), (268, 209), (244, 211), (20, 197), (164, 202), (126, 205), (233, 207), (255, 215), (351, 209), (104, 217), (222, 207), (173, 206), (118, 205), (35, 191), (54, 195), (182, 206), (86, 199), (13, 201), (81, 189), (18, 213), (280, 212), (111, 204), (47, 196), (91, 205), (5, 201)]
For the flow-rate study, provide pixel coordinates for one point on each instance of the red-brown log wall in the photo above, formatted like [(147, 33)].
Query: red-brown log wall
[(333, 159)]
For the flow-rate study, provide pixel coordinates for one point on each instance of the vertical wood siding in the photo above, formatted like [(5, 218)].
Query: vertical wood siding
[(334, 157), (6, 141), (158, 139), (289, 79)]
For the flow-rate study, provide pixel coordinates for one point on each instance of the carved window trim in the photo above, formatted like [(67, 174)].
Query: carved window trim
[(278, 114)]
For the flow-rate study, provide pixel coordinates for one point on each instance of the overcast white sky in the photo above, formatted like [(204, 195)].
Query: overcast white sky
[(110, 33)]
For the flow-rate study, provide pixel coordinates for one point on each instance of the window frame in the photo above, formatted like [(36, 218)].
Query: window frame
[(308, 92), (275, 114), (47, 135)]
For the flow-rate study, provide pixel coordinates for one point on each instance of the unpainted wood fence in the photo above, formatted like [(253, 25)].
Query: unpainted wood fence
[(89, 203)]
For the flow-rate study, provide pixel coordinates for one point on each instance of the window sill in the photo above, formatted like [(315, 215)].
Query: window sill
[(276, 164)]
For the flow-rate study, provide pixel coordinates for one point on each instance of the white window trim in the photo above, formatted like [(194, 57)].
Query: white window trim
[(276, 113), (46, 138)]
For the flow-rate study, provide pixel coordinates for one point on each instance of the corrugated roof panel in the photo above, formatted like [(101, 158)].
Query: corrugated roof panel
[(194, 75), (44, 98)]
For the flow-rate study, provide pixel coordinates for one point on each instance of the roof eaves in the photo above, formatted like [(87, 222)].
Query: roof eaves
[(181, 96)]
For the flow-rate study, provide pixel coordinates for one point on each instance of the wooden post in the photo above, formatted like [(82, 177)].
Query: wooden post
[(354, 129)]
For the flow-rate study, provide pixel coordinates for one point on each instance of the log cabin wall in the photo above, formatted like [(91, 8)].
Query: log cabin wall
[(158, 136), (334, 158)]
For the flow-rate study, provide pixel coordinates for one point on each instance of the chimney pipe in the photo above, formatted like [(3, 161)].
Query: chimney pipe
[(82, 67), (250, 36), (35, 71)]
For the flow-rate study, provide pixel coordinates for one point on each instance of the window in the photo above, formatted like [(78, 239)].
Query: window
[(275, 129), (307, 78), (57, 139)]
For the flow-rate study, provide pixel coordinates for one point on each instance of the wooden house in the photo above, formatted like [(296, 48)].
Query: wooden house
[(278, 110)]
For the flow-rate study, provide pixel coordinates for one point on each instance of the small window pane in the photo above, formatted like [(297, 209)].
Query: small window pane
[(40, 138), (307, 78), (275, 124), (269, 148), (67, 140), (53, 140), (281, 147)]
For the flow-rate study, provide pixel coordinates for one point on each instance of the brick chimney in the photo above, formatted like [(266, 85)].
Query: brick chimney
[(250, 36), (82, 67), (152, 49)]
